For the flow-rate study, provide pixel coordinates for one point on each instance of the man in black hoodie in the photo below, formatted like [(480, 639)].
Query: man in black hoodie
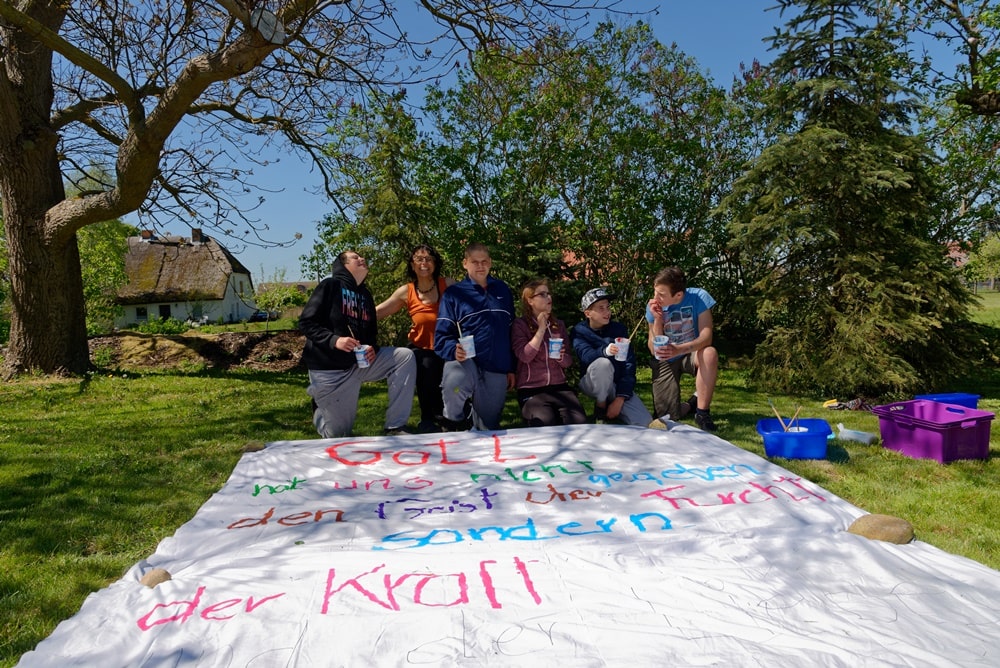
[(340, 317)]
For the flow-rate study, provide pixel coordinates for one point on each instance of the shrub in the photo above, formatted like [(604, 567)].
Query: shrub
[(163, 326)]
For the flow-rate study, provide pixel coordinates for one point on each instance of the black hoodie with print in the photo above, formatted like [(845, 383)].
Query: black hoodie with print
[(338, 307)]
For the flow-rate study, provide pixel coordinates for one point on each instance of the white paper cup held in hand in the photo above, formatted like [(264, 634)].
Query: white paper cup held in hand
[(622, 353), (659, 341), (555, 348), (360, 354), (468, 344)]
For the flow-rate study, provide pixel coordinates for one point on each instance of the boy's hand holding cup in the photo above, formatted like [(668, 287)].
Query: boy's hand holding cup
[(466, 348), (661, 346), (620, 348)]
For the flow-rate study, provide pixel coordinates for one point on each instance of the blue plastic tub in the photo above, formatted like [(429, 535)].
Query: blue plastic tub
[(806, 439), (956, 398)]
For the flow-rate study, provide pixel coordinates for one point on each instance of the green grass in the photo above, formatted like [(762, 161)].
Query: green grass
[(94, 473), (988, 312)]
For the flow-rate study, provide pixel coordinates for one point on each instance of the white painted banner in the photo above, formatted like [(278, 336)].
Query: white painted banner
[(578, 546)]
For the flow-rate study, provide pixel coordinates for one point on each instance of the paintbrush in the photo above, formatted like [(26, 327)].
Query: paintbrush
[(794, 419), (777, 415), (641, 320)]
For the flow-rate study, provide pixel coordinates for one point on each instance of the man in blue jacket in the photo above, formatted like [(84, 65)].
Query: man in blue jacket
[(609, 381), (483, 307), (338, 318)]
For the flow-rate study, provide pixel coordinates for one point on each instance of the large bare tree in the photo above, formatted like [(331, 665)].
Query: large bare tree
[(972, 29), (175, 99)]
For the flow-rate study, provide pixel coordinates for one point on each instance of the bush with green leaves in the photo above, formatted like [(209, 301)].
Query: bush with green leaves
[(162, 326)]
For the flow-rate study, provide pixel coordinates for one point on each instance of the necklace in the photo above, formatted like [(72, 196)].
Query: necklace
[(424, 292)]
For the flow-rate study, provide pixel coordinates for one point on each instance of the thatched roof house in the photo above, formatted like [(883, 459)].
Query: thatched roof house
[(184, 278)]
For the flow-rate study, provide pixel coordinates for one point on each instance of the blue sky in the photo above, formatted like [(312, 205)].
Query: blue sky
[(719, 34)]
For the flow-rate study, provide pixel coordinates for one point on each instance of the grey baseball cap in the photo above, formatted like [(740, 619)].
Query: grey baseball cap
[(591, 297)]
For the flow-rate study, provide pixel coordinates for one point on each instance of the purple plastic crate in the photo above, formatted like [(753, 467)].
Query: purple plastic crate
[(807, 441), (933, 430)]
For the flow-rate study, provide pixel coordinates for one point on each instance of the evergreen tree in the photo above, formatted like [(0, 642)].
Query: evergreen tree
[(857, 298)]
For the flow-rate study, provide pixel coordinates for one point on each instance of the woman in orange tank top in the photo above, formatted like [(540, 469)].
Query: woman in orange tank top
[(421, 296)]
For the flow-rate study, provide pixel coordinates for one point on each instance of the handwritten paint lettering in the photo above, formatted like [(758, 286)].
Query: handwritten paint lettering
[(753, 493), (295, 519), (528, 531), (350, 453), (384, 483), (447, 589), (418, 507), (214, 612), (554, 494), (293, 484), (531, 474), (678, 472)]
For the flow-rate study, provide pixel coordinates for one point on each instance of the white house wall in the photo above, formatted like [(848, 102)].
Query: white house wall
[(231, 309)]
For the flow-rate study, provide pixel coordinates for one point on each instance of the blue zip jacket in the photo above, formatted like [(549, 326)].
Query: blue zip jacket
[(590, 344), (486, 313)]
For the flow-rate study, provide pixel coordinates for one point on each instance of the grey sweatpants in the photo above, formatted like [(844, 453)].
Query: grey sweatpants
[(336, 392), (599, 384), (488, 391)]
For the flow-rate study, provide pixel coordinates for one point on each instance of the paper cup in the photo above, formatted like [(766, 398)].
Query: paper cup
[(359, 354), (555, 348), (622, 353), (659, 341), (468, 344)]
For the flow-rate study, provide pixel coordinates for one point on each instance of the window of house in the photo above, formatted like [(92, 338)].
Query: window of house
[(164, 311), (141, 315)]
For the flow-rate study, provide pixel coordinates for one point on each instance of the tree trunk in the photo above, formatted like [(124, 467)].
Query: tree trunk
[(48, 326), (48, 329)]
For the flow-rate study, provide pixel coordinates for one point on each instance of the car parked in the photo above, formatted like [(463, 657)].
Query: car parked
[(263, 316)]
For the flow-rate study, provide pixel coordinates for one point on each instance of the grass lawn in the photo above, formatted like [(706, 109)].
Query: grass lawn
[(96, 472), (989, 310)]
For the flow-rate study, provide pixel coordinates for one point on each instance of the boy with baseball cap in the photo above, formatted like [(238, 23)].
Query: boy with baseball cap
[(608, 380)]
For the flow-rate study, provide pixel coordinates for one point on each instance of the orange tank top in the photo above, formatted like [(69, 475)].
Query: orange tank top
[(424, 316)]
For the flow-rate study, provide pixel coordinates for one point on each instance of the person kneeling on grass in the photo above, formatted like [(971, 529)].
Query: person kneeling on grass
[(685, 316), (473, 389), (608, 380), (338, 318)]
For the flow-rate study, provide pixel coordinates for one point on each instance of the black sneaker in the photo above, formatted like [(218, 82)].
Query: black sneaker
[(464, 424), (427, 427), (704, 421), (397, 431), (693, 403), (600, 414)]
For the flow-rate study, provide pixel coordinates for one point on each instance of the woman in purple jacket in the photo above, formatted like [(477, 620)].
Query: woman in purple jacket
[(543, 394)]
